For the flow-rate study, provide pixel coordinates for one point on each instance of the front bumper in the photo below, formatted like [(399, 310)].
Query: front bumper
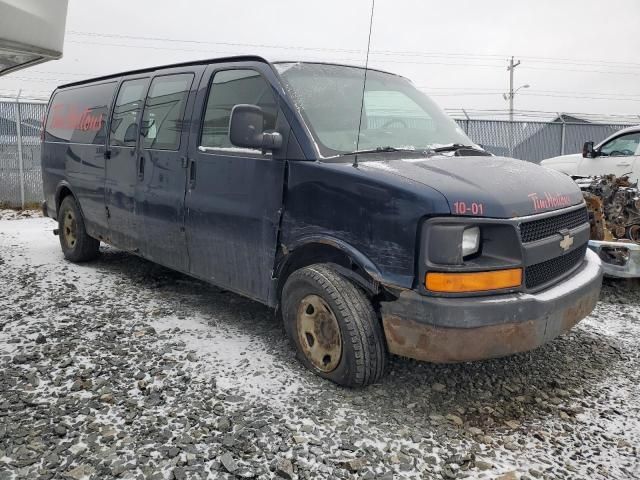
[(447, 330), (619, 259)]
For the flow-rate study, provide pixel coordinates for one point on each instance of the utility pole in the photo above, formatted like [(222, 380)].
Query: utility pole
[(512, 66)]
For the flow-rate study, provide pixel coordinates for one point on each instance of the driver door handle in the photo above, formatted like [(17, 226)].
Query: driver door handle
[(192, 173), (141, 168), (623, 164)]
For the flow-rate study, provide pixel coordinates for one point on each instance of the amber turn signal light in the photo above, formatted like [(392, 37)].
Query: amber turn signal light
[(473, 281)]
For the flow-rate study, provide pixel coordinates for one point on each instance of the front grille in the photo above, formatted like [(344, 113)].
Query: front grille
[(545, 227), (543, 272)]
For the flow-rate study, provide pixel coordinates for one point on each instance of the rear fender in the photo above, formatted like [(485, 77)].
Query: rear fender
[(62, 190)]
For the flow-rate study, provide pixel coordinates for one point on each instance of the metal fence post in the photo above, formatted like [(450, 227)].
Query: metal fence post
[(563, 134), (19, 141), (466, 130)]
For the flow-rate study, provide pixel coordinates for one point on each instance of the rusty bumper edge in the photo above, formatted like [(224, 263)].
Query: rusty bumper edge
[(492, 328)]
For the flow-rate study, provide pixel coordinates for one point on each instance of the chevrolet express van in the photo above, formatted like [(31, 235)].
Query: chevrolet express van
[(375, 226)]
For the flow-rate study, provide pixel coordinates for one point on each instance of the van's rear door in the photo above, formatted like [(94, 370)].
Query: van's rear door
[(234, 195), (161, 166)]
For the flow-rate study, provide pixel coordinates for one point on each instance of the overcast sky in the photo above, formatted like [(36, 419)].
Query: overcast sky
[(456, 50)]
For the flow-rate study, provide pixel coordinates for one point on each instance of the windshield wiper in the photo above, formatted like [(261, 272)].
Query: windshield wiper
[(455, 147), (386, 149), (428, 150)]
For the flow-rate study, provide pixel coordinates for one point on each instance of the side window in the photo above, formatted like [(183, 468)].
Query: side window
[(230, 88), (126, 113), (163, 116), (79, 115), (622, 146)]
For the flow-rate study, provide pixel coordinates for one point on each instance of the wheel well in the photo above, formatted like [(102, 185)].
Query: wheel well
[(313, 253)]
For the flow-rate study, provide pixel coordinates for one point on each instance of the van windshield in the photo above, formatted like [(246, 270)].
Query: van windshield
[(395, 115)]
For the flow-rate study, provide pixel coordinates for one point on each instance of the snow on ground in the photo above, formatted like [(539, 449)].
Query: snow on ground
[(9, 214), (121, 368)]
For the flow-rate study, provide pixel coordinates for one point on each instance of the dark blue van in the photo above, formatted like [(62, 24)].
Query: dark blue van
[(374, 225)]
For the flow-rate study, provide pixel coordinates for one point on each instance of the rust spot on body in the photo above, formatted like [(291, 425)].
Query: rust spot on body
[(581, 309), (449, 345)]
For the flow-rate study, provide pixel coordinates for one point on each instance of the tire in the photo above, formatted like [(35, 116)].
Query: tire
[(334, 327), (76, 244)]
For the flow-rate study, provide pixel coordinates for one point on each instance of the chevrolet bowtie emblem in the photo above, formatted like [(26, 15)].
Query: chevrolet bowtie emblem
[(566, 242)]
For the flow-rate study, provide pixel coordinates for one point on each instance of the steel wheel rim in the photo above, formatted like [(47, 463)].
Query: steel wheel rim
[(69, 227), (319, 333)]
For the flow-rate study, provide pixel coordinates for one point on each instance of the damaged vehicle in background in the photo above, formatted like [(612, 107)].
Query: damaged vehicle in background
[(608, 175), (373, 224)]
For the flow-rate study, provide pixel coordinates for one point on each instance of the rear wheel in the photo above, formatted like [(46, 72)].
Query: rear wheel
[(333, 326), (76, 244)]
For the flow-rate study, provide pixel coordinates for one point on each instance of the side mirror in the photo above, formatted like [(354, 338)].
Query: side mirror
[(588, 151), (246, 129)]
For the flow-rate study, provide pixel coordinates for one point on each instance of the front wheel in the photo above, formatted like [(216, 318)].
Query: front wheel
[(333, 326), (76, 243)]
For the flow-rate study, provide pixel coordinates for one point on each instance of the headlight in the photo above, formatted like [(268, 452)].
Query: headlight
[(470, 241)]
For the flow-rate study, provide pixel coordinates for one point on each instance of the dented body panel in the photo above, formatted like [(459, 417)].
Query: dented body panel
[(374, 213)]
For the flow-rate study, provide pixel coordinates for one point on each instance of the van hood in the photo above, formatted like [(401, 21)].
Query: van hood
[(484, 186)]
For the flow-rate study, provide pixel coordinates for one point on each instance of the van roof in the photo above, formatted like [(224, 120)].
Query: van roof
[(237, 58)]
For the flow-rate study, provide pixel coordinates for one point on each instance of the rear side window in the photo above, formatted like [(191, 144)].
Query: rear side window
[(163, 116), (230, 88), (78, 115), (126, 113)]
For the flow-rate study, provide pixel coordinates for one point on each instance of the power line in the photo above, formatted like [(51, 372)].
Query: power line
[(201, 42), (56, 73), (537, 113), (30, 79), (580, 97), (383, 61), (540, 93), (496, 57), (544, 60), (536, 95), (496, 90)]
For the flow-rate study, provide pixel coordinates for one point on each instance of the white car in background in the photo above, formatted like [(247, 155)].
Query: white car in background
[(619, 154)]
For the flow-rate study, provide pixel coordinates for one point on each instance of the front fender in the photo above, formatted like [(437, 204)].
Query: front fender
[(358, 257)]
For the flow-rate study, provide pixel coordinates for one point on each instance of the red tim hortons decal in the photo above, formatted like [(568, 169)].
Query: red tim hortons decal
[(548, 200), (72, 118)]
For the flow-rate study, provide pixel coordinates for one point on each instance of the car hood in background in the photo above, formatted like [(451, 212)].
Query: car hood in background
[(573, 159)]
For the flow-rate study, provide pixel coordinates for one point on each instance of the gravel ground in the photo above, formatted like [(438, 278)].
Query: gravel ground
[(123, 369)]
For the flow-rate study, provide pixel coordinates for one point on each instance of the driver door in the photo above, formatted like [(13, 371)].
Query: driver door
[(620, 156)]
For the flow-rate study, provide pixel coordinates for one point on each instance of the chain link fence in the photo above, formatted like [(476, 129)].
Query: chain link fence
[(21, 124), (20, 173)]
